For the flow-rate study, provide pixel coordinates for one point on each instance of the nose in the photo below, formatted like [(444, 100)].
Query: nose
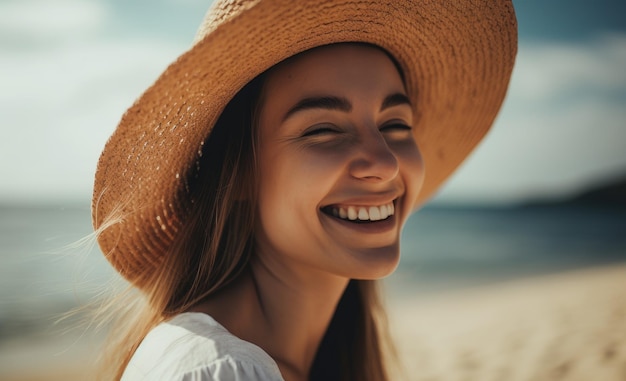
[(374, 160)]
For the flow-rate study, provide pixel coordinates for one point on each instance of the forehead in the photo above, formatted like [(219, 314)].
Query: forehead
[(338, 69)]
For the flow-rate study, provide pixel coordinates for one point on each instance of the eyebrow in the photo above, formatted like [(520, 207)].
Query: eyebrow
[(342, 104), (396, 99), (326, 103)]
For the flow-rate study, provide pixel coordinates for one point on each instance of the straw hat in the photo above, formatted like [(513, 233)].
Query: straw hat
[(457, 57)]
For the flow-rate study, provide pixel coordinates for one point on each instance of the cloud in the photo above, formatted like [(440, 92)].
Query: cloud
[(59, 106), (550, 70), (201, 3), (45, 19), (562, 128)]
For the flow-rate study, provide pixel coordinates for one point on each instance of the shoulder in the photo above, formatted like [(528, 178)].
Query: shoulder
[(194, 347)]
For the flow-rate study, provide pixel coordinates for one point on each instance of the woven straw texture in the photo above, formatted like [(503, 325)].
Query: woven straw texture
[(457, 58)]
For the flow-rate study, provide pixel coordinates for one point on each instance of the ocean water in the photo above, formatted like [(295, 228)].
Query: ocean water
[(49, 263), (45, 269), (459, 247)]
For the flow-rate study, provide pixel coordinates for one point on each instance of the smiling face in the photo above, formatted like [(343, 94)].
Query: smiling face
[(338, 165)]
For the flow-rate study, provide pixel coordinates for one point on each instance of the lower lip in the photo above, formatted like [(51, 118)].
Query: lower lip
[(376, 227)]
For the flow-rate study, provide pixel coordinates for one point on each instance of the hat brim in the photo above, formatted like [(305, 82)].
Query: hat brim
[(457, 59)]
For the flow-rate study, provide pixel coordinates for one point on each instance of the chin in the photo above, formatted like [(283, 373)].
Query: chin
[(377, 263)]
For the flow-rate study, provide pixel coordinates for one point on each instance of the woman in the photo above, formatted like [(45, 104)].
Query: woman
[(258, 189)]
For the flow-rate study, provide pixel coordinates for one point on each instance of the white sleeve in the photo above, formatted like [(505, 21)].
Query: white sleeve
[(229, 369)]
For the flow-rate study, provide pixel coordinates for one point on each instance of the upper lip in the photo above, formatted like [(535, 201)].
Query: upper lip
[(368, 199)]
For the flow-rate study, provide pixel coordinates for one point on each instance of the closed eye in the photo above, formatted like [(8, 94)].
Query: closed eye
[(396, 132), (322, 130), (395, 127)]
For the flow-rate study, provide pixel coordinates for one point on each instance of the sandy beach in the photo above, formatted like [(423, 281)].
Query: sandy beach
[(568, 326)]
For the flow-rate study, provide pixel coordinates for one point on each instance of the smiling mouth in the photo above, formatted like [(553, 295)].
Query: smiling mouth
[(361, 214)]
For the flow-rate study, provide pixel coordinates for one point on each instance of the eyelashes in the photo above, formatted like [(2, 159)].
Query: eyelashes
[(333, 130), (322, 130), (396, 127)]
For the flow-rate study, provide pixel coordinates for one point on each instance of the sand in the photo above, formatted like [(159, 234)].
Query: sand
[(569, 326)]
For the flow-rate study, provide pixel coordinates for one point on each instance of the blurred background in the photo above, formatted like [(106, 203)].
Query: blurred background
[(544, 192)]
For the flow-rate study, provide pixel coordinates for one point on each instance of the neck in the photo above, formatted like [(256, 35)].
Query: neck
[(286, 313), (297, 308)]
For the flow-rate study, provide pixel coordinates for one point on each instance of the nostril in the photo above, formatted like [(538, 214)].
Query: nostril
[(375, 167)]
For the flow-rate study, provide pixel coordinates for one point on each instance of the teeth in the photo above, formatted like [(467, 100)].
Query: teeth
[(342, 213), (384, 212), (362, 213), (351, 213), (374, 213)]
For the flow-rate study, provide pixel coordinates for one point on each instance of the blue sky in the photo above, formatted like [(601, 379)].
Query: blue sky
[(70, 68)]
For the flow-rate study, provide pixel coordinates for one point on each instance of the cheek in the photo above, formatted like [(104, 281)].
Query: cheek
[(413, 169), (302, 173), (415, 162), (409, 155), (321, 167), (293, 184)]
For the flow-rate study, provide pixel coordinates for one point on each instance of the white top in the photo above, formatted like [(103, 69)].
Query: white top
[(194, 347)]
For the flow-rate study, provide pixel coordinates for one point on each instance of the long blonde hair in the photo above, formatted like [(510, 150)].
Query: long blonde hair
[(215, 245)]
